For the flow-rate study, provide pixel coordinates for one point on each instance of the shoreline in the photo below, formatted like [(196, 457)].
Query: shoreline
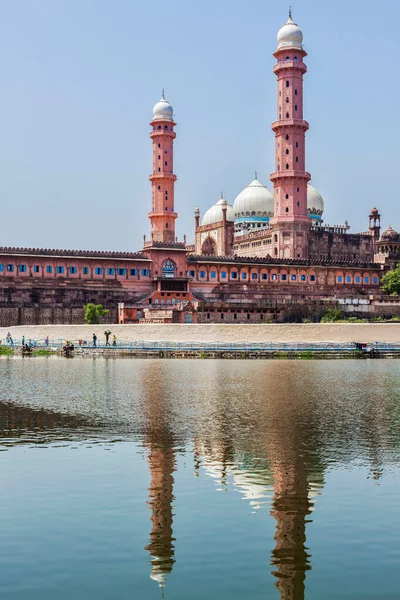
[(302, 333)]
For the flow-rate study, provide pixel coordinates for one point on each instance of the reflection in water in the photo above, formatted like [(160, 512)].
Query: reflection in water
[(161, 459), (268, 431)]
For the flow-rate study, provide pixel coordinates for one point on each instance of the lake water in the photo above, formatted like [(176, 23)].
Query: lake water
[(199, 479)]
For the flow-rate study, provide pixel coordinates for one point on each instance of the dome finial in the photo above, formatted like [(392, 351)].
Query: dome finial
[(290, 13), (255, 173), (162, 94), (222, 195)]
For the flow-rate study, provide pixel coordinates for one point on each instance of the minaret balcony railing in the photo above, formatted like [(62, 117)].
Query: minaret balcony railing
[(290, 64), (290, 174), (163, 213), (300, 123), (157, 176)]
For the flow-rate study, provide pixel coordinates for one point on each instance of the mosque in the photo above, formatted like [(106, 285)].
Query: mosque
[(248, 260)]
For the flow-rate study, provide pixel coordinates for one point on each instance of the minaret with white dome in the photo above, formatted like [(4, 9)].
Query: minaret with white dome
[(291, 221), (162, 216)]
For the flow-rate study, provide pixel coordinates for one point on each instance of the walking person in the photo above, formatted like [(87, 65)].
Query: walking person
[(46, 341), (94, 340), (114, 340), (107, 333)]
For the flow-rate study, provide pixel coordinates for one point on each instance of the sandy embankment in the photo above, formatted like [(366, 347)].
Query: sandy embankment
[(307, 332)]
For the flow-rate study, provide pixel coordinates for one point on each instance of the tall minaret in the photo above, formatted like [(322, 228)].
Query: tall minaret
[(290, 223), (162, 216)]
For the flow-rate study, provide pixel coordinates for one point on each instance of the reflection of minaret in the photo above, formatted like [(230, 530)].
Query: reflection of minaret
[(162, 465), (291, 506), (161, 459)]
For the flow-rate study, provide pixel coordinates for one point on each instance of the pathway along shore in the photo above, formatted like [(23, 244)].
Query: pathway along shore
[(285, 333)]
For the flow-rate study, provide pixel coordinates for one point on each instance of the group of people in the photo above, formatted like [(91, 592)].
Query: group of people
[(107, 334), (27, 346), (24, 344)]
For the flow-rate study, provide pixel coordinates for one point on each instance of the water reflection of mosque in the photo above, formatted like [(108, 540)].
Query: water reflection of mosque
[(277, 465), (281, 470)]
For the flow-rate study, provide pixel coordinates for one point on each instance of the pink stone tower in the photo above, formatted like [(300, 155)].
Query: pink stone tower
[(290, 223), (162, 217)]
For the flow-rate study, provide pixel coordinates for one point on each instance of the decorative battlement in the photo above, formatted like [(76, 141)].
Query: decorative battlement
[(6, 250), (269, 260)]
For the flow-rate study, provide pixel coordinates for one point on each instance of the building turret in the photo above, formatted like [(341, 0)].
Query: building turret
[(163, 215), (375, 223), (197, 217), (291, 222)]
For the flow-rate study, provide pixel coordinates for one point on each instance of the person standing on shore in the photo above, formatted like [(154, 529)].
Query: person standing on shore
[(23, 341), (114, 340), (46, 341), (94, 340)]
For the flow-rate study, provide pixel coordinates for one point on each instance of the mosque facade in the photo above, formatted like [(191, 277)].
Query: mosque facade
[(269, 248)]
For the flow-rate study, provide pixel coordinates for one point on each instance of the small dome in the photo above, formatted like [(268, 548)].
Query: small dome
[(290, 36), (315, 202), (163, 110), (390, 235), (214, 214), (374, 211), (255, 200)]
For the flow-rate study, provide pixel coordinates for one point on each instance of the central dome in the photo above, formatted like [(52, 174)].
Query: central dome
[(290, 36), (254, 201), (214, 214), (315, 203)]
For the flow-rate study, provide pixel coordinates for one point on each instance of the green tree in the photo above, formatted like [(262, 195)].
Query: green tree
[(390, 282), (93, 312), (332, 315)]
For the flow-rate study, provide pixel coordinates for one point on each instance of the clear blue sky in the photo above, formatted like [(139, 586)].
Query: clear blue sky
[(79, 78)]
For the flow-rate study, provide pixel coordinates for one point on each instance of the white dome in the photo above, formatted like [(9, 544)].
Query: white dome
[(315, 202), (163, 110), (255, 200), (290, 36), (214, 214)]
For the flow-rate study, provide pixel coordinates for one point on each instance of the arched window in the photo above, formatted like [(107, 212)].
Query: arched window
[(295, 107), (287, 210), (165, 126), (286, 137), (287, 166), (287, 84), (287, 99), (168, 268), (287, 150), (287, 58), (159, 127), (287, 196), (287, 115), (166, 225), (275, 237), (297, 144), (295, 92), (297, 159)]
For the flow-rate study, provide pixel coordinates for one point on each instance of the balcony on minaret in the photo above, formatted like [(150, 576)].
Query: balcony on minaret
[(290, 64), (276, 125), (287, 173)]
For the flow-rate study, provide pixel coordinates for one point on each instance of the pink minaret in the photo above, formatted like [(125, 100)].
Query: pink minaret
[(162, 216), (290, 223)]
